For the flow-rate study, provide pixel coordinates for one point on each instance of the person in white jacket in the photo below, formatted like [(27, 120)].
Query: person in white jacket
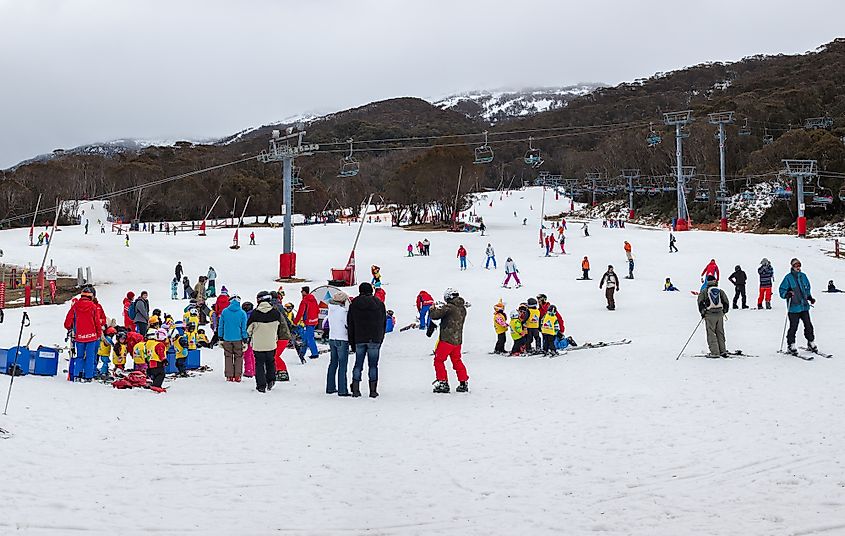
[(338, 345), (491, 256), (511, 270)]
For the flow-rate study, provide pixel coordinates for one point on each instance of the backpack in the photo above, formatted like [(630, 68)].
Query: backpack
[(714, 299), (131, 312)]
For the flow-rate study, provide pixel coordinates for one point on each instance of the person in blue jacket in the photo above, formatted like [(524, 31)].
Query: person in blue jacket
[(795, 289), (231, 328)]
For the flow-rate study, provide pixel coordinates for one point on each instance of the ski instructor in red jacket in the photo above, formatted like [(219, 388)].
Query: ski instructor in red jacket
[(83, 320), (308, 312)]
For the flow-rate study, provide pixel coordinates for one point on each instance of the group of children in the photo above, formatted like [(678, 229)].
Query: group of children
[(536, 327)]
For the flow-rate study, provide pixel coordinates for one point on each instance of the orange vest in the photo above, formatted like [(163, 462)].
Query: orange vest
[(585, 264)]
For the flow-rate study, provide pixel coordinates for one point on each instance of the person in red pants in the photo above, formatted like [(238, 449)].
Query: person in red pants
[(283, 337), (451, 315)]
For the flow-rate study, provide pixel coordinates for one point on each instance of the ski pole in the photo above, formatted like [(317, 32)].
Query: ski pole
[(690, 338), (785, 320), (24, 323)]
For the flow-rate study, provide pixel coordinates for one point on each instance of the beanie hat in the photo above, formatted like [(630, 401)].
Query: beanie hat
[(340, 297), (224, 291), (366, 289)]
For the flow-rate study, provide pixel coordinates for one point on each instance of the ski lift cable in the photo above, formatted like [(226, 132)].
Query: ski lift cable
[(133, 189)]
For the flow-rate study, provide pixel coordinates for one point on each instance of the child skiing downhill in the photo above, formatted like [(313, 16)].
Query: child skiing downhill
[(549, 328), (511, 271), (452, 316), (713, 305), (795, 289), (767, 274), (518, 333), (500, 326)]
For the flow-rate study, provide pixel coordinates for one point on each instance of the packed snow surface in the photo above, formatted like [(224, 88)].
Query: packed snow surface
[(621, 440)]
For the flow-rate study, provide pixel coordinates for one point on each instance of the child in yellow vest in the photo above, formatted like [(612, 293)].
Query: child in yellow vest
[(549, 328), (105, 349), (533, 325), (119, 351), (518, 333), (500, 325), (156, 350), (179, 343)]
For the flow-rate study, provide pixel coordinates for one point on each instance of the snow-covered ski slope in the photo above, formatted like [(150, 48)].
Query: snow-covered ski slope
[(619, 440)]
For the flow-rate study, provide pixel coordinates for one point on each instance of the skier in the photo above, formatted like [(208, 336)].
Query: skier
[(309, 313), (424, 303), (585, 268), (252, 238), (156, 355), (491, 256), (518, 333), (452, 315), (231, 328), (263, 328), (795, 289), (126, 241), (462, 255), (627, 248), (738, 278), (668, 286), (376, 272), (710, 269), (767, 274), (104, 350), (586, 229), (551, 243), (562, 240), (713, 306), (338, 345), (410, 250), (543, 300), (178, 270), (549, 328), (426, 247), (174, 289), (672, 246), (630, 269), (611, 283), (212, 285), (546, 241), (285, 328), (500, 326), (511, 271), (533, 326), (86, 226)]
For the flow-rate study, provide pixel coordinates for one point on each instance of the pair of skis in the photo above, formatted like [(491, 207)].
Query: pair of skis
[(808, 356), (592, 346)]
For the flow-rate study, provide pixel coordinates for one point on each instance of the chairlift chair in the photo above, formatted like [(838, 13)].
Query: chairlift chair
[(748, 195), (483, 154), (722, 195), (701, 196), (653, 139), (348, 166), (767, 138), (782, 193), (745, 130), (532, 156)]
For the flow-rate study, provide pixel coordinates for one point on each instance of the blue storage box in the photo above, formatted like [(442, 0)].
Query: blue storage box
[(7, 357), (45, 361), (171, 362), (193, 360)]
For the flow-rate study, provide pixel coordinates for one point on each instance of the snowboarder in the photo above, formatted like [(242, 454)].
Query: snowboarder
[(672, 246), (452, 316), (710, 269), (462, 256), (795, 289), (500, 326), (586, 229), (669, 287), (611, 283), (630, 269), (738, 278), (424, 303), (713, 306), (585, 268), (511, 271), (491, 256), (338, 345), (627, 248), (365, 324), (263, 328), (767, 274), (832, 288)]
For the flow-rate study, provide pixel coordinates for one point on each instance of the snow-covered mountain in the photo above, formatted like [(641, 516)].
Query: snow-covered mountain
[(501, 105)]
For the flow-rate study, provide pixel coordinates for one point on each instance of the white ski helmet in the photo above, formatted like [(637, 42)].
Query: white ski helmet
[(450, 294), (514, 314), (161, 335)]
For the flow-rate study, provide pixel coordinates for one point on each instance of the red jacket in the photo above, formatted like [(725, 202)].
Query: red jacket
[(84, 319), (423, 299), (101, 314), (132, 338), (127, 301), (462, 252), (711, 269), (221, 303), (308, 310), (544, 309)]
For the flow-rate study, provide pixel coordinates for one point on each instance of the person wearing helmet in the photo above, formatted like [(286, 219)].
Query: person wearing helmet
[(141, 351), (452, 316), (533, 326), (157, 355), (119, 351), (550, 328), (511, 271), (500, 326), (518, 333), (83, 321), (179, 343), (263, 328), (105, 349)]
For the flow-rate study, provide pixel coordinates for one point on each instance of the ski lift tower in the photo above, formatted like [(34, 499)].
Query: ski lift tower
[(283, 149), (593, 179), (722, 119), (679, 120), (801, 170), (686, 174), (631, 175)]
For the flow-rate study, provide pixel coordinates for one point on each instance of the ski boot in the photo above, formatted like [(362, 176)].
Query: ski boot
[(571, 341), (463, 387), (811, 346), (791, 349), (768, 305), (441, 387), (282, 376), (270, 385)]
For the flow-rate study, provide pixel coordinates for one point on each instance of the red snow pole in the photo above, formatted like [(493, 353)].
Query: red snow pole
[(346, 276), (240, 221)]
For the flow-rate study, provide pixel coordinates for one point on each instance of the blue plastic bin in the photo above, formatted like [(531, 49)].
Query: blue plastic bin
[(7, 357), (193, 360), (45, 361)]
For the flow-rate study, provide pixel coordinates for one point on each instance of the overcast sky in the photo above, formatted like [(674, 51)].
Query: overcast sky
[(79, 71)]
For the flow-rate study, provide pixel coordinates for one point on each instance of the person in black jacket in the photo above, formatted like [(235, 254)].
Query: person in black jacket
[(738, 278), (365, 324)]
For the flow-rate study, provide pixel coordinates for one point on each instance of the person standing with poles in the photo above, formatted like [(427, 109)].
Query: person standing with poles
[(738, 278), (491, 256), (795, 289), (611, 283), (462, 256), (713, 306)]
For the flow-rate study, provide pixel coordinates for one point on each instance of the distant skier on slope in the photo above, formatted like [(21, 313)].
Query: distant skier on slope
[(511, 271), (610, 281), (491, 256)]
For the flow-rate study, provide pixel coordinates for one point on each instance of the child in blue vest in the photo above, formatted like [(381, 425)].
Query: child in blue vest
[(390, 322)]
